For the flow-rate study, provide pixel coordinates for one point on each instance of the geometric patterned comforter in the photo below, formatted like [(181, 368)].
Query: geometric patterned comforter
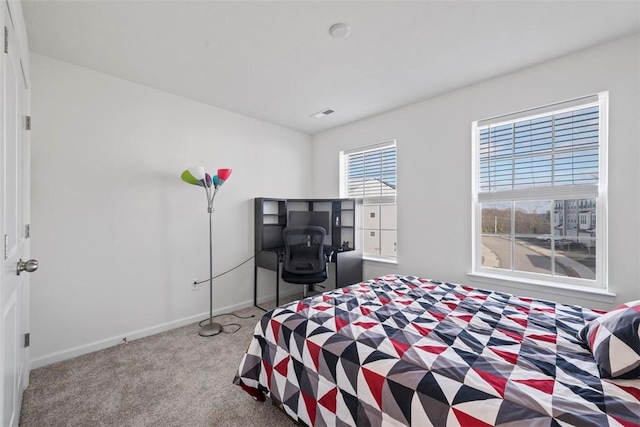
[(400, 351)]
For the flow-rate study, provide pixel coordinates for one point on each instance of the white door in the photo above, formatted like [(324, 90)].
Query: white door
[(14, 213)]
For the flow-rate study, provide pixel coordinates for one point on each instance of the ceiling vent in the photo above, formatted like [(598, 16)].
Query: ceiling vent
[(323, 113)]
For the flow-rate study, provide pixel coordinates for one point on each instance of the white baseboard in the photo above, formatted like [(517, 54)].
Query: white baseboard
[(141, 333)]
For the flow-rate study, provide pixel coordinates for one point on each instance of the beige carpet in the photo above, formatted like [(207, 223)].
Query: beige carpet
[(176, 378)]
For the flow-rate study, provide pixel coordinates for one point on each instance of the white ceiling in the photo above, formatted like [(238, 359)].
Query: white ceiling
[(275, 61)]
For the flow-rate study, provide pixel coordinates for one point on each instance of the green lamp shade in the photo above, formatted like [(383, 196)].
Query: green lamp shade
[(188, 178), (197, 176)]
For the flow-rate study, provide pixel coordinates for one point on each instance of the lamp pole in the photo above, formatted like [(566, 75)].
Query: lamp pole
[(211, 328)]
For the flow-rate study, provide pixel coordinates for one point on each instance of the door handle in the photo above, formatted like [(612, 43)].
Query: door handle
[(28, 266)]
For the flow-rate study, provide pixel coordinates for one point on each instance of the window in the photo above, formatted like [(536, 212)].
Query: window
[(369, 173), (540, 194)]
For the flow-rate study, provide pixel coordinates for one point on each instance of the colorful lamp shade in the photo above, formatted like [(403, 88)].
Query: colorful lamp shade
[(197, 176)]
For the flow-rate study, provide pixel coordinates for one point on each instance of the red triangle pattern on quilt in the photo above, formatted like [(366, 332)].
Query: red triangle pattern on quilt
[(434, 349), (514, 336), (400, 347), (375, 382), (267, 369), (421, 329), (498, 383), (635, 392), (467, 420), (329, 400), (301, 306), (314, 351), (508, 357), (519, 321), (626, 423), (546, 338), (545, 386), (275, 327), (310, 403), (283, 367), (365, 325), (340, 323)]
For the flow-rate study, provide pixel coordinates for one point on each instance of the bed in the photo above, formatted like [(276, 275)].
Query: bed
[(403, 350)]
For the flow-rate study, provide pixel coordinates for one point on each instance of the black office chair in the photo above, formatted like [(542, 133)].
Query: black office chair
[(304, 260)]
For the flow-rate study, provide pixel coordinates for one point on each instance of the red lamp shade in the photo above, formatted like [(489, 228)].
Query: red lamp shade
[(223, 174)]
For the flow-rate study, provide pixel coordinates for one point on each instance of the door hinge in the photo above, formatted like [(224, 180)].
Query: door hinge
[(27, 339), (27, 231), (6, 39), (6, 246), (27, 124)]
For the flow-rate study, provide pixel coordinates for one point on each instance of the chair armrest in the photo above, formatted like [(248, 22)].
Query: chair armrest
[(329, 256)]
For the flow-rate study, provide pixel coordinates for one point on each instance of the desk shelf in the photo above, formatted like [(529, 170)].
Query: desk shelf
[(343, 223), (270, 220)]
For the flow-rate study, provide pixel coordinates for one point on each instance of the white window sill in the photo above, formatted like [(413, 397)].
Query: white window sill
[(381, 260), (575, 291)]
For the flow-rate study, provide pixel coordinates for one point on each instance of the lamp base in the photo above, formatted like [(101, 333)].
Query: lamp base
[(210, 329)]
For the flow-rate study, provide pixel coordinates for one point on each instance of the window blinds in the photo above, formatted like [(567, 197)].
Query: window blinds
[(371, 173), (548, 150)]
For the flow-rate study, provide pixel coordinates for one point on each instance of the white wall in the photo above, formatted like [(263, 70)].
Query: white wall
[(118, 235), (434, 163)]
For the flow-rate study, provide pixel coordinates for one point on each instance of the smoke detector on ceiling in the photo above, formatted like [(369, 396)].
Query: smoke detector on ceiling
[(323, 113), (339, 31)]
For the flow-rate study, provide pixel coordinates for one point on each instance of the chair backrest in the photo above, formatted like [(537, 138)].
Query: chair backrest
[(304, 254)]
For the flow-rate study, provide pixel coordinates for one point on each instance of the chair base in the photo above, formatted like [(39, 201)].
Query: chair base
[(210, 329)]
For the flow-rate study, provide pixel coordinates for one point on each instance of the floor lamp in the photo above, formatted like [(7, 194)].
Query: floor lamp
[(197, 176)]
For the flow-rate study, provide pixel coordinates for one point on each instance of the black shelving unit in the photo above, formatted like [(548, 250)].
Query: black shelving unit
[(346, 237), (343, 221), (271, 219)]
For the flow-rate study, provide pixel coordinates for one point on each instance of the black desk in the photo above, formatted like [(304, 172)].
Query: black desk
[(344, 236), (348, 263)]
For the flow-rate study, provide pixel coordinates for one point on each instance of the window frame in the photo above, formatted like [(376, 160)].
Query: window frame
[(378, 201), (560, 192)]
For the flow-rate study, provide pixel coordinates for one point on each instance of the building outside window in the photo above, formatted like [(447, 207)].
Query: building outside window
[(369, 173), (540, 193)]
